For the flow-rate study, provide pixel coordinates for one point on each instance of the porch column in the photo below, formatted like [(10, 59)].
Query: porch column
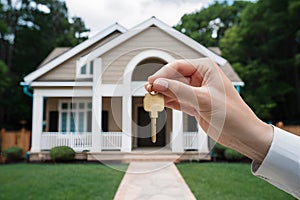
[(126, 121), (177, 131), (97, 107), (202, 141), (37, 122)]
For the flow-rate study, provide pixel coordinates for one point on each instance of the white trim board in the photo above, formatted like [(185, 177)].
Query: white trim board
[(62, 84), (63, 92)]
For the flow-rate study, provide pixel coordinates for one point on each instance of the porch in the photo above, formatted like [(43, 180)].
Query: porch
[(109, 141), (111, 148)]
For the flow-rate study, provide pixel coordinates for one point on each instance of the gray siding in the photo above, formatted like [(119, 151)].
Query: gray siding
[(116, 60)]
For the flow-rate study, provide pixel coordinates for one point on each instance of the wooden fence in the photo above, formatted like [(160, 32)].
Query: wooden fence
[(19, 138), (293, 129)]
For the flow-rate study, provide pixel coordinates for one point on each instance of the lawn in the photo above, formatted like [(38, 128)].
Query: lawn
[(59, 181), (227, 181)]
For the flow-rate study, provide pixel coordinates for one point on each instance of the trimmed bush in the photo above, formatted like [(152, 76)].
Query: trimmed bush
[(13, 153), (62, 153), (219, 150), (233, 155)]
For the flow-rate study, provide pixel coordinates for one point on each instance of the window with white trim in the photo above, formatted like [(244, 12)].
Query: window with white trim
[(86, 71), (75, 116)]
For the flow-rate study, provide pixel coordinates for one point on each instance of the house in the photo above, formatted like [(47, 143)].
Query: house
[(90, 97)]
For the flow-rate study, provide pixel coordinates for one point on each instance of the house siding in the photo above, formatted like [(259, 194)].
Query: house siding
[(67, 70), (116, 60)]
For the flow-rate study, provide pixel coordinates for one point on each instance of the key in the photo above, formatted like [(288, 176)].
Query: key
[(153, 103)]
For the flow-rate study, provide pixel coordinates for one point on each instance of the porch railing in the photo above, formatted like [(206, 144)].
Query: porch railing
[(190, 140), (77, 141), (80, 141), (111, 140)]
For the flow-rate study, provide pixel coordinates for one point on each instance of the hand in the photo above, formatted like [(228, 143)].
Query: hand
[(201, 89)]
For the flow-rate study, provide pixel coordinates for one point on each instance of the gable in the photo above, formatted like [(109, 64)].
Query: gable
[(115, 60), (117, 50), (66, 71)]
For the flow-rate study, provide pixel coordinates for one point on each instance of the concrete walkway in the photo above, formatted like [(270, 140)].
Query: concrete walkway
[(153, 180)]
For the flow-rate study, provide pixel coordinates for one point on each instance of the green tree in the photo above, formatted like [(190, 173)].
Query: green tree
[(207, 26), (30, 29), (264, 48)]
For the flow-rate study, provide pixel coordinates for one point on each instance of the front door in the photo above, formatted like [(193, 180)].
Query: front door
[(144, 129)]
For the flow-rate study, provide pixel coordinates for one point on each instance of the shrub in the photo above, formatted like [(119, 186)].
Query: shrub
[(62, 153), (219, 150), (233, 155), (13, 153)]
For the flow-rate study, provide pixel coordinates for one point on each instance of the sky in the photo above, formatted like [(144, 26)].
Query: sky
[(99, 14)]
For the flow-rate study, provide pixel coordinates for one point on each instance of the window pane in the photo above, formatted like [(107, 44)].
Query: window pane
[(92, 67), (192, 124), (90, 106), (81, 105), (83, 69), (72, 122), (63, 122), (89, 121), (64, 105), (81, 122)]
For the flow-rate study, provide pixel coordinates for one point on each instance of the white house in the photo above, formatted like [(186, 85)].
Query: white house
[(90, 97)]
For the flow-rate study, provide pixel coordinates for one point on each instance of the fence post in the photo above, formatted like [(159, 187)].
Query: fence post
[(1, 138)]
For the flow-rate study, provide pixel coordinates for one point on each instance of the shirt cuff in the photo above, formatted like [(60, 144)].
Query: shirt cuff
[(281, 166)]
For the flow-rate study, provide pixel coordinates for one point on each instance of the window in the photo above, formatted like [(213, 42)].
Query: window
[(86, 71), (190, 124), (83, 69), (75, 116)]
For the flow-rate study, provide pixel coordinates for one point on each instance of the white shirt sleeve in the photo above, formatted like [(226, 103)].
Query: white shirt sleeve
[(281, 166)]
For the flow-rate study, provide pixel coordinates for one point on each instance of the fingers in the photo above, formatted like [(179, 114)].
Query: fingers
[(185, 107), (176, 90), (182, 69), (174, 70)]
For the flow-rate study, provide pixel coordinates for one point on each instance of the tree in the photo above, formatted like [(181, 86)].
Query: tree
[(46, 35), (261, 40), (29, 30), (264, 48), (208, 25)]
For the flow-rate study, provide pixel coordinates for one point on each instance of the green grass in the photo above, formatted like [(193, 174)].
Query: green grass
[(59, 181), (227, 181)]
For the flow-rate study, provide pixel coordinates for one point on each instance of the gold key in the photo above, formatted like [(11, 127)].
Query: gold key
[(153, 103)]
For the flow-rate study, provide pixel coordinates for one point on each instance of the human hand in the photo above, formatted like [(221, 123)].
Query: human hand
[(201, 89)]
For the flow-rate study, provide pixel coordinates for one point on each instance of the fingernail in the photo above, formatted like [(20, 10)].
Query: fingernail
[(164, 84)]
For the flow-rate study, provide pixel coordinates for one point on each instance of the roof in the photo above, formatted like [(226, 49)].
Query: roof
[(216, 50), (54, 54), (228, 69), (42, 69), (162, 26), (126, 35)]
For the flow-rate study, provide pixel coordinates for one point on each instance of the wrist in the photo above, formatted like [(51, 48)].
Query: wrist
[(255, 143)]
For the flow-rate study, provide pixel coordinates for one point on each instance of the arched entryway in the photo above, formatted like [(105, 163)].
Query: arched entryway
[(136, 73), (141, 130)]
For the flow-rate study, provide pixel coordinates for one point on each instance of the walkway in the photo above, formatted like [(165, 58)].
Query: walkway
[(153, 180)]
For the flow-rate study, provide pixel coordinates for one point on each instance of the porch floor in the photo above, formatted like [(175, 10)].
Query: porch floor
[(138, 154)]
